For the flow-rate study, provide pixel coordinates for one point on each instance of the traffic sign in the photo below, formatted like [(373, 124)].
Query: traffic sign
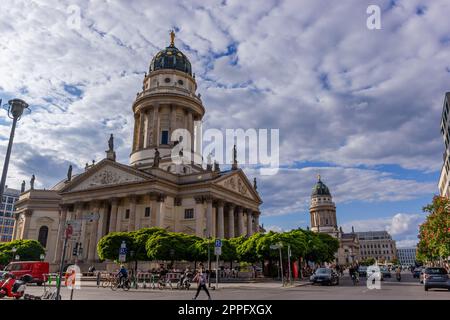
[(91, 216), (123, 252), (218, 251), (75, 224), (218, 243)]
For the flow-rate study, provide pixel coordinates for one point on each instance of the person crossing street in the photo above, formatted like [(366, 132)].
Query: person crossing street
[(201, 280)]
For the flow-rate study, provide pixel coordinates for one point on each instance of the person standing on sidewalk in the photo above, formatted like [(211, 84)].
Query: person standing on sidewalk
[(200, 278)]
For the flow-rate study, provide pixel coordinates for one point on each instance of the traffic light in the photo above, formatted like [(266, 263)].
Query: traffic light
[(75, 249)]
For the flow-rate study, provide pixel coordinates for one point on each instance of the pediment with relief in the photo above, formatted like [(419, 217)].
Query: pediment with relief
[(237, 184), (106, 176)]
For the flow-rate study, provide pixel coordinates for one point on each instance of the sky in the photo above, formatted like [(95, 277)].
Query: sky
[(360, 107)]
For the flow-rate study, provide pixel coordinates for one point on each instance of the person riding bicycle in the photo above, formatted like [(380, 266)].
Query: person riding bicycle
[(122, 274), (185, 276)]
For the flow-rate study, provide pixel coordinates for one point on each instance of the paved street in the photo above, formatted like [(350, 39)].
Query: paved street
[(408, 288)]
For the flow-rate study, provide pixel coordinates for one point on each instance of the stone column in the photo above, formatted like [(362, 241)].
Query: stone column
[(249, 223), (93, 235), (141, 130), (159, 212), (132, 218), (156, 125), (136, 132), (199, 214), (113, 220), (220, 220), (101, 226), (138, 216), (231, 221), (173, 120), (240, 216), (209, 220), (119, 217), (149, 126), (256, 222), (60, 237), (191, 129), (26, 224)]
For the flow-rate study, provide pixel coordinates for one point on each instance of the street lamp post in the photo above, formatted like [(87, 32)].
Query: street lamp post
[(13, 250), (15, 108)]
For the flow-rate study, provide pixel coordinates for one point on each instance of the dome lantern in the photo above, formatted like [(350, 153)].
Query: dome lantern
[(171, 58)]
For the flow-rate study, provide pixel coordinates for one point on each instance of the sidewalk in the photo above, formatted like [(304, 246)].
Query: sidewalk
[(231, 285)]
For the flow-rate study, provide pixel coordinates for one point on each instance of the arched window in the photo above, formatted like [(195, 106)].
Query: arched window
[(43, 235)]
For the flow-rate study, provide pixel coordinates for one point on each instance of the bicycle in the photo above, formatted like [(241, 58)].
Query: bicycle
[(108, 281), (162, 283), (125, 284)]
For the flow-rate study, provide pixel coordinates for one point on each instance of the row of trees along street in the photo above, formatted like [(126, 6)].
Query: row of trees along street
[(150, 244), (434, 233)]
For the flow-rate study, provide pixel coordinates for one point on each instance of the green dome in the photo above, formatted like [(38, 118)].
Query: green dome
[(320, 189), (171, 58)]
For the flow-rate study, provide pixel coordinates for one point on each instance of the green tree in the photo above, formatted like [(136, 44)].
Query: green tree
[(28, 250), (108, 247), (169, 246), (434, 234)]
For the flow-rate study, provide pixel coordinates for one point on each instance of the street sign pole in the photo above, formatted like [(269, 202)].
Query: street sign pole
[(289, 263), (281, 267), (217, 271), (61, 265)]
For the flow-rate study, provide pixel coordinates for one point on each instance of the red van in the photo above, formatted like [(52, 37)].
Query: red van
[(36, 269)]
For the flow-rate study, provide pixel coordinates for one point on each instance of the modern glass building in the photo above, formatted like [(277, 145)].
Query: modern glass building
[(10, 196), (407, 256)]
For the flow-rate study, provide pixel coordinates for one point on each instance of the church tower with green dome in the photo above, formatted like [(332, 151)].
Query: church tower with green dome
[(323, 210)]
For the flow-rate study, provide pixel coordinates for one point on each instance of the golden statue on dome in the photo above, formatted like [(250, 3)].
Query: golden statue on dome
[(172, 38)]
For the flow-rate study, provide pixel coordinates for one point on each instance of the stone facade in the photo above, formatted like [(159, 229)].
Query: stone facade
[(153, 190)]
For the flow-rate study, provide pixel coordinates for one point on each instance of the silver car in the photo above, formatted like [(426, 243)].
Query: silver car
[(436, 278)]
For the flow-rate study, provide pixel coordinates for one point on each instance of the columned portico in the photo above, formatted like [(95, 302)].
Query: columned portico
[(93, 233), (114, 211), (61, 228), (209, 218), (231, 220), (249, 223), (220, 220), (240, 215), (132, 208)]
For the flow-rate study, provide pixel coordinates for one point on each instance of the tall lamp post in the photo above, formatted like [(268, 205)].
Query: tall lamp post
[(15, 108)]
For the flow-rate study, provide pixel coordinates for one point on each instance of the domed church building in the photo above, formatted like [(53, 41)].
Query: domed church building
[(323, 219), (152, 190)]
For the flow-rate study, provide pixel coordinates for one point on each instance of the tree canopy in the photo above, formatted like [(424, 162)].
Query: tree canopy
[(27, 250), (434, 233)]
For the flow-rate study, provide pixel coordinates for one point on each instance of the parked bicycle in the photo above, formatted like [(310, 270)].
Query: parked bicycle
[(165, 282), (108, 281)]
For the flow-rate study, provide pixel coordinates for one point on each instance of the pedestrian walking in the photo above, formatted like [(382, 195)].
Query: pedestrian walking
[(200, 278)]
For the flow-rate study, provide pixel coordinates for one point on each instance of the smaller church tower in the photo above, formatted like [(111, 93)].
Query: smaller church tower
[(323, 210)]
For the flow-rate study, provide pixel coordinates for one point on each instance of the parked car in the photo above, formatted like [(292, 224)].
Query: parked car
[(436, 278), (385, 273), (36, 269), (362, 271), (416, 272), (325, 276)]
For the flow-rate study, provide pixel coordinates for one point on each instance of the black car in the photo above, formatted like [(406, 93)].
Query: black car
[(416, 272), (325, 276), (362, 271), (436, 278)]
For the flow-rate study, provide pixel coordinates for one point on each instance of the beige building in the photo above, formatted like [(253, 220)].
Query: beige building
[(154, 189), (378, 245), (323, 219), (444, 179)]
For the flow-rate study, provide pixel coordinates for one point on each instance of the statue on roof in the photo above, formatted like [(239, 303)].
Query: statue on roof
[(254, 184), (69, 173), (111, 143), (172, 38), (156, 159), (22, 188), (32, 182), (234, 165)]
